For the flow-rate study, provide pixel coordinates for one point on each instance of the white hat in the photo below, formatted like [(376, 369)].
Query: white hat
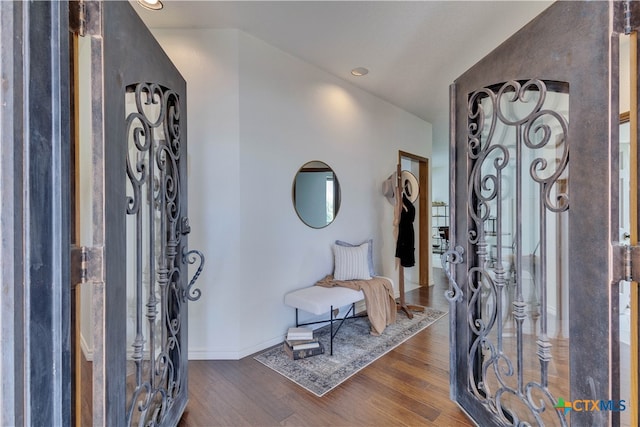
[(410, 187)]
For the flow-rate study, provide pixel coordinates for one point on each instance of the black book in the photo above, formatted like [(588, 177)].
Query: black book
[(303, 353)]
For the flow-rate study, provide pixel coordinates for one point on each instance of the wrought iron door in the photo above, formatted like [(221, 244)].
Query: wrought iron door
[(140, 223), (533, 288)]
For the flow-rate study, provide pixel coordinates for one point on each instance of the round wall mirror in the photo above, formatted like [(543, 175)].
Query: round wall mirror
[(316, 194)]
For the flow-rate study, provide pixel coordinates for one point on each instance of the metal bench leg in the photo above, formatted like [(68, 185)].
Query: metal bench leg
[(331, 342), (332, 318)]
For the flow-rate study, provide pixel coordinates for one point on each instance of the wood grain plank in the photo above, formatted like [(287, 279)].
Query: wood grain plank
[(408, 386)]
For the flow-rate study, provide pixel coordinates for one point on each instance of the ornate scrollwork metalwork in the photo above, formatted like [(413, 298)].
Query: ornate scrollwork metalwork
[(519, 108), (448, 259), (191, 257), (153, 164)]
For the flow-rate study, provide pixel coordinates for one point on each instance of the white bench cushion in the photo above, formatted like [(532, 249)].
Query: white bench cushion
[(318, 299)]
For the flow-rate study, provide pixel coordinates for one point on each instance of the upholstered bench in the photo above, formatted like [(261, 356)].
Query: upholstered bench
[(319, 300)]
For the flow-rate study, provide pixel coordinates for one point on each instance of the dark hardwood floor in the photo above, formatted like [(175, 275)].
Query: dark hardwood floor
[(408, 386)]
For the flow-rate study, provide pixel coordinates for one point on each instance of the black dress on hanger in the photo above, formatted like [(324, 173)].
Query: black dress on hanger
[(405, 249)]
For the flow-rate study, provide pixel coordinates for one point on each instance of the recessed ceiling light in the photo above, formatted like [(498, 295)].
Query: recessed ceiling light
[(151, 4), (360, 71)]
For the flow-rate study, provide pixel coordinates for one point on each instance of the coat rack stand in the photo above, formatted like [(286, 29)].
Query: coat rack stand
[(402, 305)]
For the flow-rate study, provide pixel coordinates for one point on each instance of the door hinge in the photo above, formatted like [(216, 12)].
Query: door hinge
[(627, 17), (86, 264), (631, 263), (628, 22), (78, 17)]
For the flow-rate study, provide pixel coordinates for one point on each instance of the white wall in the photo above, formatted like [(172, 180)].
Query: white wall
[(440, 182), (255, 115)]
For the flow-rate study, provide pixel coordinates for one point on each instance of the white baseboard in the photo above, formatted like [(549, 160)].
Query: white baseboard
[(202, 354), (213, 355), (409, 286)]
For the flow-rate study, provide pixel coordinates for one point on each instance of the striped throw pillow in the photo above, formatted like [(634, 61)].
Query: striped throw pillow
[(351, 263), (372, 271)]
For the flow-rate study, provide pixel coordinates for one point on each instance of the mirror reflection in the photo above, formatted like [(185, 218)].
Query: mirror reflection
[(316, 194)]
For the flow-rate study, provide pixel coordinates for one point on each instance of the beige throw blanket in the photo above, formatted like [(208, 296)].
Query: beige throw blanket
[(378, 296)]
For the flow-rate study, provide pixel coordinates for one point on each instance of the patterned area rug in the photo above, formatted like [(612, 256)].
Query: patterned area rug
[(353, 349)]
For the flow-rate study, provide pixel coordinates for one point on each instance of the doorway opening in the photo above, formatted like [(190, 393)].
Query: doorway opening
[(420, 275)]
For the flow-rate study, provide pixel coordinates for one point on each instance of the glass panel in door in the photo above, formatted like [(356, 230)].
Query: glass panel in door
[(517, 299), (156, 359)]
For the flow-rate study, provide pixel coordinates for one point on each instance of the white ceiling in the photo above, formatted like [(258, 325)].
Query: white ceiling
[(413, 49)]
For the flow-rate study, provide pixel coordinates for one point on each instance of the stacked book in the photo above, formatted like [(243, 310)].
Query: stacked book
[(300, 343)]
